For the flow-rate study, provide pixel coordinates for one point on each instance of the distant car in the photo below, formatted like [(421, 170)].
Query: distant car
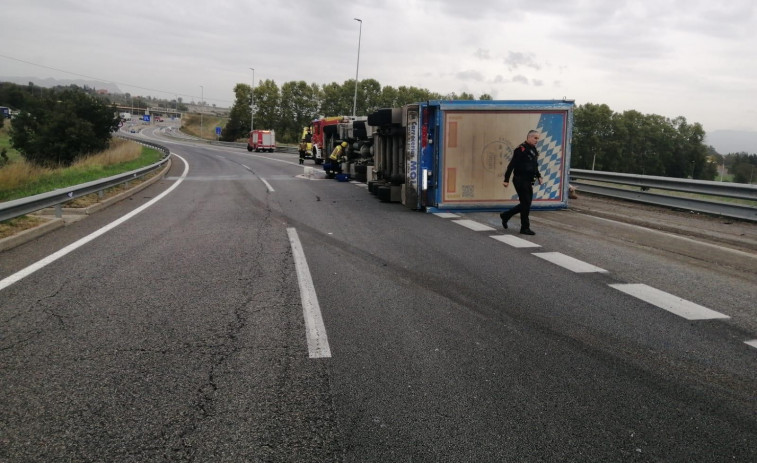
[(133, 130)]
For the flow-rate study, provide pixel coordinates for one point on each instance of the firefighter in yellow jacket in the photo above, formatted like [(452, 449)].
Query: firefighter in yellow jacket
[(334, 165), (338, 152)]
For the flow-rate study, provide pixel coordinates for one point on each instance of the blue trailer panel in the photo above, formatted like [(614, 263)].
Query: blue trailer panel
[(465, 147)]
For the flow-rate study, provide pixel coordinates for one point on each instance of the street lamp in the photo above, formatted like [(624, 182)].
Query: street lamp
[(252, 99), (357, 68), (202, 97)]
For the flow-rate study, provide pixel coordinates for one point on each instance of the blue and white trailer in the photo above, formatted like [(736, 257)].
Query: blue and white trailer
[(452, 155)]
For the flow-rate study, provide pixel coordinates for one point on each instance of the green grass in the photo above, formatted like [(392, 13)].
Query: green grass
[(191, 124), (5, 142), (66, 177)]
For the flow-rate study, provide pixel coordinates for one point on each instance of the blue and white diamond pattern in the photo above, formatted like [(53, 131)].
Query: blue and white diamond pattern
[(550, 157)]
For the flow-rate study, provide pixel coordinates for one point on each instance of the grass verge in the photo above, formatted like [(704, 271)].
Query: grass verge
[(20, 179)]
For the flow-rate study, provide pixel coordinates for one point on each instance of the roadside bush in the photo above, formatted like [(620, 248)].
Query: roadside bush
[(59, 128)]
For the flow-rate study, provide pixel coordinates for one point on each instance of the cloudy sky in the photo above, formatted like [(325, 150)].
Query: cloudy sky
[(690, 58)]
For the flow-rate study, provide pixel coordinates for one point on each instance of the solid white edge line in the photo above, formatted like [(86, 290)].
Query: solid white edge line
[(683, 238), (23, 273), (315, 330), (268, 185), (669, 302)]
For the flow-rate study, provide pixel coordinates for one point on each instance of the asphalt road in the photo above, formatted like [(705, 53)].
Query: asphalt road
[(180, 335)]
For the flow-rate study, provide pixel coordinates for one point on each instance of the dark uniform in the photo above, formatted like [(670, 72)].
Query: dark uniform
[(525, 168)]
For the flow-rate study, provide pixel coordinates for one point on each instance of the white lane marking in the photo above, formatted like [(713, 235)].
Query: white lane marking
[(752, 343), (446, 215), (267, 185), (682, 238), (473, 225), (23, 273), (568, 262), (515, 242), (669, 302), (360, 184), (315, 330)]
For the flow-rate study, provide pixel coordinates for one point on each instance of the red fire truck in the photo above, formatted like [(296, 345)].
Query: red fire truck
[(327, 132), (262, 140)]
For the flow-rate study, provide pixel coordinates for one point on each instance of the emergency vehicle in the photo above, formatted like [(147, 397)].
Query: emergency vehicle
[(262, 140)]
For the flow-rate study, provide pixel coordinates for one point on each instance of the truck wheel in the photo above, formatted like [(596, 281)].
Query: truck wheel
[(249, 148), (318, 162)]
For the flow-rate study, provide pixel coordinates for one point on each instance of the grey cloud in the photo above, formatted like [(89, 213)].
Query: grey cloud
[(470, 75), (515, 60), (482, 54)]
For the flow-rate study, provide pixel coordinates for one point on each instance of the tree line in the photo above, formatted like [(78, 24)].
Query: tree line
[(629, 142), (59, 125), (293, 106)]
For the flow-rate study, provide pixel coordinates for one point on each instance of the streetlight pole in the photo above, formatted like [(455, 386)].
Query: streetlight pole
[(252, 99), (357, 68), (202, 98)]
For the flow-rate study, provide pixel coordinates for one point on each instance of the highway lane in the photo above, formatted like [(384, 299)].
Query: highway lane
[(179, 336)]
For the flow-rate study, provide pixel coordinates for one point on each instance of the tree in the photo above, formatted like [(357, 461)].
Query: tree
[(268, 102), (743, 167), (336, 100), (409, 95), (238, 125), (299, 106), (593, 133), (60, 127), (368, 96)]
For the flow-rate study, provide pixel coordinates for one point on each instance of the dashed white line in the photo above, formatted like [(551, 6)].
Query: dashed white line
[(669, 302), (446, 215), (315, 330), (473, 225), (515, 242), (569, 263), (267, 185), (752, 343)]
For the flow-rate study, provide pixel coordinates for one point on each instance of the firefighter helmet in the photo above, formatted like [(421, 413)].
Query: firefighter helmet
[(344, 144)]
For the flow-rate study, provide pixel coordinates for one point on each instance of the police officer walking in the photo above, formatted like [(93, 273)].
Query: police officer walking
[(525, 168)]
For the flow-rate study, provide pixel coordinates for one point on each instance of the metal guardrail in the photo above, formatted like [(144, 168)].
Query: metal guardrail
[(638, 186), (22, 206)]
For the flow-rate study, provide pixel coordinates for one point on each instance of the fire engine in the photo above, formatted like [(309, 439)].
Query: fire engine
[(262, 140), (328, 132)]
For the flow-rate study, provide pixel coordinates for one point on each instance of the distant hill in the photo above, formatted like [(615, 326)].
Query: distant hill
[(732, 141), (50, 82)]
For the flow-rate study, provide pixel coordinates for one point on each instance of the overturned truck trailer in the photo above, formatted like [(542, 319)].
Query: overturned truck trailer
[(452, 155)]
